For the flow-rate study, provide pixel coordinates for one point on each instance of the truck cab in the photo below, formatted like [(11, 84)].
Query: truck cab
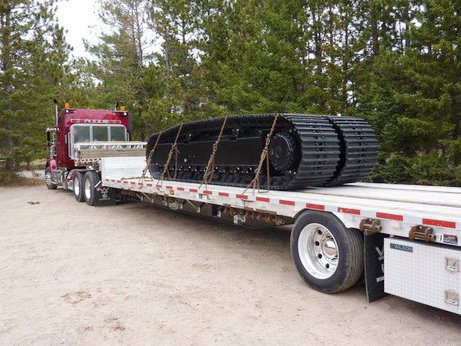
[(79, 129)]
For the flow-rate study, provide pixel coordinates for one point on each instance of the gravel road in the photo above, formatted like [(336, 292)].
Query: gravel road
[(134, 274)]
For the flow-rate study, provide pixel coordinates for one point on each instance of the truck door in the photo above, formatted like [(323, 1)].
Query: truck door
[(51, 142)]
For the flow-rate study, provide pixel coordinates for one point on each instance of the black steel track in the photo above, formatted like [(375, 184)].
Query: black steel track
[(359, 150), (324, 151)]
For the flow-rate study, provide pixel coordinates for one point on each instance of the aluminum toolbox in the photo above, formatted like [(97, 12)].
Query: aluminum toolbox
[(426, 273)]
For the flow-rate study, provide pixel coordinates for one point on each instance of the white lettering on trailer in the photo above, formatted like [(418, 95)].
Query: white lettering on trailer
[(381, 259)]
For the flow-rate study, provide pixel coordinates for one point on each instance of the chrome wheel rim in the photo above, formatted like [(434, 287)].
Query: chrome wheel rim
[(87, 189), (318, 251), (76, 185)]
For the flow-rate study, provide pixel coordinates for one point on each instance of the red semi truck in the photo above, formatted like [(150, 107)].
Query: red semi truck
[(77, 133), (339, 234)]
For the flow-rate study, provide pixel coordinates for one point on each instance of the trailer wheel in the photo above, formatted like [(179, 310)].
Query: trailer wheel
[(89, 186), (327, 255), (78, 187), (49, 183)]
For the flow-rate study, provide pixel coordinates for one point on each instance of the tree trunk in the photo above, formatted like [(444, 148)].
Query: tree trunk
[(455, 111), (7, 79)]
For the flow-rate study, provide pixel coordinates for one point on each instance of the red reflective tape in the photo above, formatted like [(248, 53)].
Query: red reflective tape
[(149, 185), (285, 202), (349, 211), (158, 186), (169, 187), (242, 196), (140, 184), (207, 192), (389, 216), (315, 206), (263, 199), (125, 182), (193, 190), (224, 194), (119, 181), (133, 183), (440, 223), (180, 189)]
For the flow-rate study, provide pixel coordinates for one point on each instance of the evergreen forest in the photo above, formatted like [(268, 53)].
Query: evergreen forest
[(395, 63)]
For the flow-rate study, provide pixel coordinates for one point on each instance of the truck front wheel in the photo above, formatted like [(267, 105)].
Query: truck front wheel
[(78, 187), (90, 181), (49, 183), (327, 255)]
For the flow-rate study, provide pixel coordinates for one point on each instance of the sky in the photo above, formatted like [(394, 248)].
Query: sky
[(80, 19)]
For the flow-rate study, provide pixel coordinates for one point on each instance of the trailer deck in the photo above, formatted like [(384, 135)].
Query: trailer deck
[(398, 207)]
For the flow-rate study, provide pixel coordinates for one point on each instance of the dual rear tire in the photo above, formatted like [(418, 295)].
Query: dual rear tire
[(85, 186)]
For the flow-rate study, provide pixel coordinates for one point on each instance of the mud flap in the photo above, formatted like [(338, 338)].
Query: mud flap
[(374, 265), (104, 196)]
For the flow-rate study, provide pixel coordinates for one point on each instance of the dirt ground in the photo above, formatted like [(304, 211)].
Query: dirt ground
[(134, 274)]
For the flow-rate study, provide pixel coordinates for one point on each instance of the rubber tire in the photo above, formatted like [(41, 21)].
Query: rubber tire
[(93, 178), (80, 197), (49, 185), (350, 247)]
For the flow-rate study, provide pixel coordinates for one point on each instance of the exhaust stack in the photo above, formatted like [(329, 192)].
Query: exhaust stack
[(56, 112)]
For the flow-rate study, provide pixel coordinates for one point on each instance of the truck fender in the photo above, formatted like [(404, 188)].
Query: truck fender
[(348, 223), (51, 163), (345, 219), (373, 250)]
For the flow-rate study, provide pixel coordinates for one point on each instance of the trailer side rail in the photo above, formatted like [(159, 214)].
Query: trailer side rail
[(439, 211)]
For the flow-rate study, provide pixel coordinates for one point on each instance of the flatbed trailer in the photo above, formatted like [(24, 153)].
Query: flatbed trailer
[(341, 235), (398, 239)]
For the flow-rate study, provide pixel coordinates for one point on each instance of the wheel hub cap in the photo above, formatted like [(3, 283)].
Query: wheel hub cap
[(318, 251), (87, 189), (76, 186)]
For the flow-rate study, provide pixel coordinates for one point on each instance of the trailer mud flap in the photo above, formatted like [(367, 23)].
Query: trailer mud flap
[(374, 265), (104, 196)]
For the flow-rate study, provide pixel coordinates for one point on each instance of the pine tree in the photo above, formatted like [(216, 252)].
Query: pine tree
[(121, 56), (176, 67), (32, 63), (432, 96), (253, 53)]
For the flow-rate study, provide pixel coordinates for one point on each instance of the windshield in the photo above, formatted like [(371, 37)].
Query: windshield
[(94, 133), (117, 133), (100, 133), (81, 134)]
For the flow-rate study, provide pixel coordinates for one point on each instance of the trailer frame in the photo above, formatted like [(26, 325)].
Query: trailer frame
[(424, 215)]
